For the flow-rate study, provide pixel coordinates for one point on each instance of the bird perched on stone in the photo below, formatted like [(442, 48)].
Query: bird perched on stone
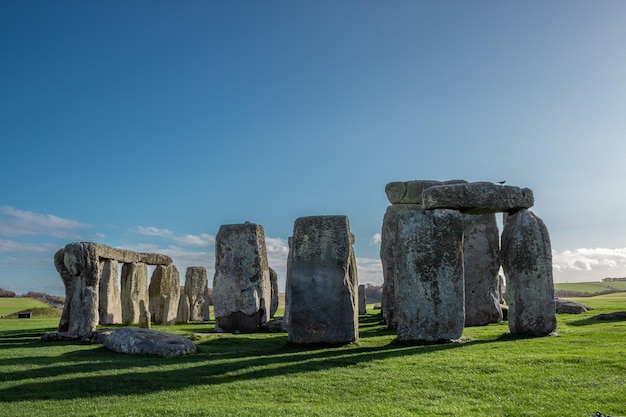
[(501, 182)]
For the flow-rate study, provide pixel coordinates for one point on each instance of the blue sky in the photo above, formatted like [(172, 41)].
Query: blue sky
[(148, 124)]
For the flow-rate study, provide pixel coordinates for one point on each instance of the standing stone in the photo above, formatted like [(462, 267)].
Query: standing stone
[(134, 282), (145, 318), (481, 252), (429, 287), (241, 286), (527, 263), (196, 292), (110, 303), (389, 237), (164, 292), (79, 268), (362, 300), (274, 284), (286, 315), (183, 313), (323, 283)]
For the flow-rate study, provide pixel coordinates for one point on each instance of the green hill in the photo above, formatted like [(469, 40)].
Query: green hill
[(588, 288), (9, 307)]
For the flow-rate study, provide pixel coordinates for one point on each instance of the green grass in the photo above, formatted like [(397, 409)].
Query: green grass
[(14, 305), (489, 372)]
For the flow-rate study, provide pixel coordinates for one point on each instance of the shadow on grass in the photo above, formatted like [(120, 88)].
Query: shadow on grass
[(617, 316), (222, 359)]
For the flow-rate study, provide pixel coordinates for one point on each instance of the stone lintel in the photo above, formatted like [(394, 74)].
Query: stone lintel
[(477, 197), (128, 256), (410, 192)]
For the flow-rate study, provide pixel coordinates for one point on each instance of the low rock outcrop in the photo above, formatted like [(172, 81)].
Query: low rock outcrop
[(148, 342)]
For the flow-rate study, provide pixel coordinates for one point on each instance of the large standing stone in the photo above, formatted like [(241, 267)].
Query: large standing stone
[(362, 300), (481, 252), (196, 292), (164, 292), (241, 286), (110, 303), (79, 267), (134, 282), (183, 313), (429, 276), (275, 294), (389, 237), (527, 263), (323, 283)]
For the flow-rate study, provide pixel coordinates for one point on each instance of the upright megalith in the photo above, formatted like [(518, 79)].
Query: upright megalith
[(274, 285), (362, 300), (79, 267), (110, 303), (134, 283), (527, 264), (429, 288), (481, 253), (196, 293), (322, 282), (164, 293), (241, 285)]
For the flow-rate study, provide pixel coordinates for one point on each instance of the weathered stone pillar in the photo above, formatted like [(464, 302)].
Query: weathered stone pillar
[(527, 264), (362, 300), (274, 285), (241, 285), (164, 293), (196, 292), (481, 252), (183, 313), (134, 283), (429, 287), (110, 303), (322, 282)]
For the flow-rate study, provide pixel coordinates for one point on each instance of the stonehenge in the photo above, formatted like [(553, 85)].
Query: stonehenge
[(242, 290), (421, 263), (441, 254), (322, 286)]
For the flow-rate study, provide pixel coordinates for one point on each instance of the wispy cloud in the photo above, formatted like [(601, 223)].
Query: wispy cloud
[(153, 231), (16, 223), (375, 239), (370, 271), (201, 240), (588, 259)]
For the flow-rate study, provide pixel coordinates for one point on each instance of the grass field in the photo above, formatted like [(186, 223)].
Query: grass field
[(591, 287), (12, 305), (489, 372)]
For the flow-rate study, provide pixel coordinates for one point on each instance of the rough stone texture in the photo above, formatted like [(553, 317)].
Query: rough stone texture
[(429, 287), (164, 293), (128, 256), (410, 192), (110, 303), (79, 267), (286, 314), (274, 285), (196, 292), (145, 318), (323, 283), (481, 254), (570, 307), (134, 283), (242, 290), (148, 342), (527, 264), (388, 241), (362, 300), (477, 197)]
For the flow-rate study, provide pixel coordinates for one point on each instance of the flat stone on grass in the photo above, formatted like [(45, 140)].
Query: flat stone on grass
[(148, 342)]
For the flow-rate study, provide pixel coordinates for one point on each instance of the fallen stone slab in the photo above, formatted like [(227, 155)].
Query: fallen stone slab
[(136, 341), (96, 337), (570, 307), (477, 197), (618, 315)]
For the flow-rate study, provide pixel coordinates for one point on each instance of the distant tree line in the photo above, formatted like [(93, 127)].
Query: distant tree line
[(613, 279), (6, 293)]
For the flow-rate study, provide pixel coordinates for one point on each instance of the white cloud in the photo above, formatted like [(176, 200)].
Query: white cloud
[(370, 271), (588, 259), (153, 231), (10, 246), (15, 222), (375, 240), (203, 239)]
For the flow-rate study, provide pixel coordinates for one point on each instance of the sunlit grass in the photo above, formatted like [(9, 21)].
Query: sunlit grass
[(489, 372)]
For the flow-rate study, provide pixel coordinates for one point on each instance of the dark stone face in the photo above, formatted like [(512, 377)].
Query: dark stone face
[(241, 322)]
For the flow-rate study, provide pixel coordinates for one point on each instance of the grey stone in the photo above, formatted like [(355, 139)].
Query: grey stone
[(322, 282), (164, 293), (570, 307), (145, 318), (410, 192), (241, 285), (527, 264), (196, 292), (617, 315), (110, 303), (477, 197), (134, 283), (388, 242), (362, 300), (287, 285), (148, 342), (183, 313), (275, 294), (429, 288), (481, 254), (128, 256)]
